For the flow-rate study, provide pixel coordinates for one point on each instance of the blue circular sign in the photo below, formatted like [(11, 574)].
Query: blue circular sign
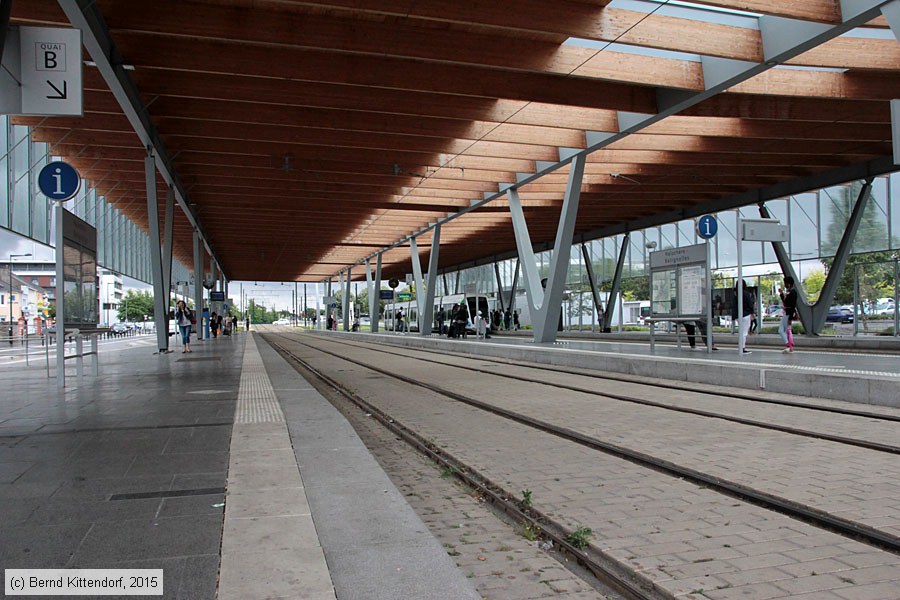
[(707, 227), (59, 181)]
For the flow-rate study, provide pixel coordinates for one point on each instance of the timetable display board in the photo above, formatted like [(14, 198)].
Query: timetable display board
[(678, 282)]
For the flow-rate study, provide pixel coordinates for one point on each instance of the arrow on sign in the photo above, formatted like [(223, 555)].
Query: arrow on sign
[(63, 94)]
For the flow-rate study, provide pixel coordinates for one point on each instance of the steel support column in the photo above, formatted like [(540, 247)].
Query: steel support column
[(167, 245), (787, 269), (160, 296), (5, 12), (895, 129), (499, 287), (198, 284), (891, 12), (595, 292), (370, 290), (546, 304), (345, 305), (425, 289), (820, 308), (515, 287), (616, 286)]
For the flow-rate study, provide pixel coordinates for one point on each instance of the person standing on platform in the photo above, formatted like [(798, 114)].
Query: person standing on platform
[(214, 324), (748, 312), (507, 320), (462, 320), (789, 302), (185, 318), (516, 320), (441, 318), (247, 321)]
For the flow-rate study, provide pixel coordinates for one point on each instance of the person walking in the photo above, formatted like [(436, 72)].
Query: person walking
[(789, 302), (516, 320), (507, 320), (185, 319), (748, 313)]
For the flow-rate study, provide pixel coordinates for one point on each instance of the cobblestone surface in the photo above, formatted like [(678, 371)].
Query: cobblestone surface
[(690, 541), (504, 564), (850, 482)]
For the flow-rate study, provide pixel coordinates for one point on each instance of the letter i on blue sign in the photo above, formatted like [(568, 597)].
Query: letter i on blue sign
[(707, 226), (59, 181)]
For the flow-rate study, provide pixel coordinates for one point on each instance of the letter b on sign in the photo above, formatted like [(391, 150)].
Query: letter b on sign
[(50, 56)]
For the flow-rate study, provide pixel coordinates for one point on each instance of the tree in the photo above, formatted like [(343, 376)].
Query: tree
[(137, 305), (813, 284), (877, 277)]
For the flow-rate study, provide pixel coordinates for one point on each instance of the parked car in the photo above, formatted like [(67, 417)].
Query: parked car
[(775, 311), (839, 314), (118, 329)]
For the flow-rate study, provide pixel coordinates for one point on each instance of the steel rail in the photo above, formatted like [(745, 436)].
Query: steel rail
[(605, 568), (817, 517), (868, 445)]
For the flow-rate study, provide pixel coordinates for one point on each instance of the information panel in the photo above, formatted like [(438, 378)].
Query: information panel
[(678, 282), (79, 254)]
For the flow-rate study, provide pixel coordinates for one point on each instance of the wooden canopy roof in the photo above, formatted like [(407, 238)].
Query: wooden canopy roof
[(308, 135)]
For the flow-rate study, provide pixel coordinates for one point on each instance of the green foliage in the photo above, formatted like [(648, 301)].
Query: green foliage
[(813, 284), (529, 532), (137, 304), (259, 314), (580, 538), (526, 498)]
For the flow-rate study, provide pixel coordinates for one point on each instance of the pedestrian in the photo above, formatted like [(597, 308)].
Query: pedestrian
[(328, 322), (247, 321), (398, 320), (700, 324), (214, 324), (789, 302), (507, 319), (184, 318), (748, 312), (516, 320), (219, 325), (462, 320), (441, 317), (452, 331), (480, 326)]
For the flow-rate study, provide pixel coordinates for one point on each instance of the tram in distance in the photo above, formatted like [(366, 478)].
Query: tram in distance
[(633, 311), (410, 310)]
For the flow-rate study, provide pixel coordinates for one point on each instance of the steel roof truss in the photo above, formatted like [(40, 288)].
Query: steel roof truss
[(719, 75)]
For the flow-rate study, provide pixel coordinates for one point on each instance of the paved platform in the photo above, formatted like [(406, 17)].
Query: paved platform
[(195, 464), (855, 376)]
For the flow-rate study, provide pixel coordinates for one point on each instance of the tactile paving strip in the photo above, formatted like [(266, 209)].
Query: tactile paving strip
[(256, 399)]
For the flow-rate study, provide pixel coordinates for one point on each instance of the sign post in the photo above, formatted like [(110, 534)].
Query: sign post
[(59, 181), (753, 230), (707, 227)]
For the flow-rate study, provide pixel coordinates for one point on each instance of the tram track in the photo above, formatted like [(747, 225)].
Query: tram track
[(606, 569), (820, 518), (866, 444)]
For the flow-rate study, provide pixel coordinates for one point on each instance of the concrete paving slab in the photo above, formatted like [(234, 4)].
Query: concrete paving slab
[(299, 573), (278, 502), (268, 534)]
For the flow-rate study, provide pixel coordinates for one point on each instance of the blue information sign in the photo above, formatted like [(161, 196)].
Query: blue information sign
[(59, 181), (386, 294), (707, 227)]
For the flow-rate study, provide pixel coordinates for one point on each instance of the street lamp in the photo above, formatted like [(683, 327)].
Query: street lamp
[(12, 256)]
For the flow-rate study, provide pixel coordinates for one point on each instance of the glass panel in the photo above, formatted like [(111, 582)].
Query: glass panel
[(835, 206), (804, 225), (751, 251), (687, 234), (778, 209), (4, 171), (20, 217), (667, 236), (726, 240), (873, 232), (895, 210)]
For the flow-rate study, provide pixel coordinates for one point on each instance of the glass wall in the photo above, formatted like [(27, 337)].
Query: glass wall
[(122, 246)]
